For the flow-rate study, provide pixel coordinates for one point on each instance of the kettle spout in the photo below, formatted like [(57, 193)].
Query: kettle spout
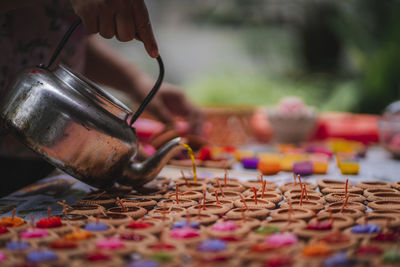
[(137, 174)]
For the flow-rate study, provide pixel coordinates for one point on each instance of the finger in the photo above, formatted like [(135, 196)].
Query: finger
[(143, 27), (125, 27), (106, 23)]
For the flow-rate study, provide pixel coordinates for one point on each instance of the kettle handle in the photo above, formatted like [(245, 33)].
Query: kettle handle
[(147, 99), (150, 95), (63, 41)]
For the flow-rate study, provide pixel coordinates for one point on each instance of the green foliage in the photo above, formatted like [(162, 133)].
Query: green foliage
[(238, 88)]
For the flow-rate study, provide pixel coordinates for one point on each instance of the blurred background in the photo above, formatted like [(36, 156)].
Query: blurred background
[(335, 55)]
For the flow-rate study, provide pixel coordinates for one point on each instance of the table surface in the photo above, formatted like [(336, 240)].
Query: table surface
[(36, 199)]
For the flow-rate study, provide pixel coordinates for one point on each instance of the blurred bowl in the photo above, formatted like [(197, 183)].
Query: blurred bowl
[(389, 129), (292, 129), (389, 136)]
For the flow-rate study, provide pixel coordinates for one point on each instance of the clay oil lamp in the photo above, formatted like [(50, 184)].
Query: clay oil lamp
[(6, 234), (349, 205), (237, 213), (98, 258), (374, 184), (212, 251), (181, 203), (336, 240), (153, 195), (339, 259), (54, 224), (353, 213), (228, 195), (71, 218), (114, 219), (228, 186), (272, 196), (113, 245), (316, 251), (276, 243), (156, 260), (37, 235), (251, 223), (383, 221), (221, 201), (386, 212), (103, 199), (259, 184), (337, 197), (148, 204), (297, 213), (99, 228), (190, 178), (191, 186), (297, 191), (134, 211), (68, 248), (18, 248), (202, 217), (305, 204), (16, 223), (384, 196), (368, 252), (4, 258), (365, 230), (316, 228), (85, 210), (385, 240), (185, 223), (297, 185), (136, 239), (185, 236), (79, 235), (370, 191), (287, 224), (384, 205), (214, 208), (171, 211), (339, 221), (254, 203), (263, 231), (310, 198), (144, 225), (279, 260), (222, 229), (43, 256), (161, 249), (191, 195), (353, 190), (391, 257), (323, 183)]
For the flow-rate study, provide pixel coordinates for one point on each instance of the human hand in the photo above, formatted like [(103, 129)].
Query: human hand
[(170, 101), (124, 19)]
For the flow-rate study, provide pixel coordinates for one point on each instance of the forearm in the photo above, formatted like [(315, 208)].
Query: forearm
[(8, 5), (105, 66)]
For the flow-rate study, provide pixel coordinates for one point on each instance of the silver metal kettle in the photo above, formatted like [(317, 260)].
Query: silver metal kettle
[(78, 127)]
